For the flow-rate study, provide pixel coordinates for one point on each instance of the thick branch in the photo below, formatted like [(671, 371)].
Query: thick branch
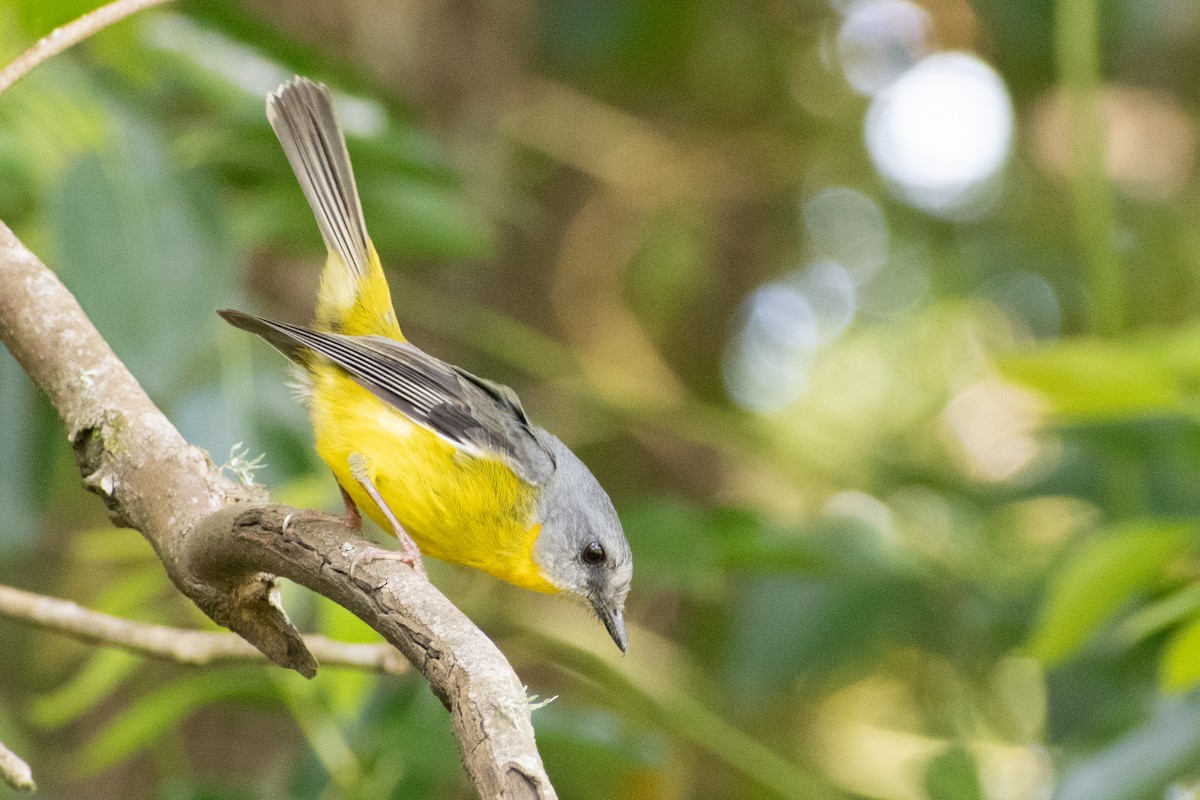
[(15, 772), (489, 710), (197, 648), (152, 480), (221, 548)]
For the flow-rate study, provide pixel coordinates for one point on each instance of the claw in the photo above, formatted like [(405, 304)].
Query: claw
[(373, 553), (310, 513)]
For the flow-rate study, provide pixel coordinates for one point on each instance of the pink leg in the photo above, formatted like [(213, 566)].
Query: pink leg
[(408, 553), (353, 519)]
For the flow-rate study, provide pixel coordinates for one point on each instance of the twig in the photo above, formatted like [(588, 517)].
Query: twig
[(72, 33), (197, 648), (15, 772)]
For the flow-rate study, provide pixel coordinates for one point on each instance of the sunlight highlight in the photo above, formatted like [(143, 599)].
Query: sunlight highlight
[(941, 133)]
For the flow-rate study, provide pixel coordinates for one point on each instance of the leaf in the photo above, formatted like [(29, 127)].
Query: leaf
[(421, 218), (345, 690), (136, 592), (594, 752), (1100, 577), (1088, 378), (1094, 379), (670, 268), (406, 747), (154, 714), (1179, 668), (108, 544), (1143, 762), (952, 775), (654, 698), (17, 440), (833, 622), (104, 671), (674, 544), (140, 241), (1161, 614)]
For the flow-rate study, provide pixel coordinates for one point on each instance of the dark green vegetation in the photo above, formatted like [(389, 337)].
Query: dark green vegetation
[(910, 466)]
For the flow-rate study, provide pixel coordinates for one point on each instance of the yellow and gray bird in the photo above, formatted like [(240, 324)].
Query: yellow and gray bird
[(445, 460)]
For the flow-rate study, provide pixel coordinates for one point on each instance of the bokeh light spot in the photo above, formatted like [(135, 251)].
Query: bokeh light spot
[(879, 40), (784, 324), (941, 132), (848, 227)]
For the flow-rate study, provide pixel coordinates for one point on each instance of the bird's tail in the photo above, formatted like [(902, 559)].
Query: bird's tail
[(354, 296)]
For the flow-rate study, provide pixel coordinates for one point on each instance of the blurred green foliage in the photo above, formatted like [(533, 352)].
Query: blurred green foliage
[(938, 542)]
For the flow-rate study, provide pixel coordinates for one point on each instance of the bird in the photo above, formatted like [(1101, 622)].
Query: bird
[(445, 460)]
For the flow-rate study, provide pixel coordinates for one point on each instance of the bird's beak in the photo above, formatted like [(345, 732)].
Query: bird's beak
[(614, 623)]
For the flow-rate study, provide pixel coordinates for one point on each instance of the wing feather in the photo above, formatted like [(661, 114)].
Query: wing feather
[(476, 414)]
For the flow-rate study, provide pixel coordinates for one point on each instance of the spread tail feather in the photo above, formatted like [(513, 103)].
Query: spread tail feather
[(354, 296), (301, 112)]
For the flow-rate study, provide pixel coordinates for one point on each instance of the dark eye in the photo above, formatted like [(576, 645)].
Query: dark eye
[(593, 553)]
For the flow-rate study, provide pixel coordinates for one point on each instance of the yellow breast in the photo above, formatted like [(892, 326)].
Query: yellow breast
[(458, 507)]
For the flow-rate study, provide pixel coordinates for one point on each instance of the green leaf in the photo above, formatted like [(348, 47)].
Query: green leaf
[(1161, 614), (594, 752), (670, 269), (1095, 379), (99, 677), (108, 544), (1099, 578), (140, 241), (649, 696), (406, 748), (952, 775), (154, 714), (834, 622), (1179, 669), (1143, 762), (420, 218), (17, 438), (674, 545), (137, 592), (345, 690)]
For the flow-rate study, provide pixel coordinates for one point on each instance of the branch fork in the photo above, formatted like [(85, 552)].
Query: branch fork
[(220, 542)]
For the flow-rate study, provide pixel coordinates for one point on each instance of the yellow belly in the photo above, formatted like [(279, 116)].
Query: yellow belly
[(457, 507)]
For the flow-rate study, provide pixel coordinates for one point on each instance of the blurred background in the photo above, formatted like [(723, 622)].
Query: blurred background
[(877, 318)]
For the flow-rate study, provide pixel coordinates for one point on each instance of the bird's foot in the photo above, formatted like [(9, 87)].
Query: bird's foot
[(408, 554)]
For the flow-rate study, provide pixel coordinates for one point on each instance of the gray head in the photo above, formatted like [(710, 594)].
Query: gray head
[(581, 547)]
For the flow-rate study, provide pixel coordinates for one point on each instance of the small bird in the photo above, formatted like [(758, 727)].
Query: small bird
[(445, 460)]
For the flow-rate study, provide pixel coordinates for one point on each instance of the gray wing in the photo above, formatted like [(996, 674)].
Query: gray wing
[(471, 412)]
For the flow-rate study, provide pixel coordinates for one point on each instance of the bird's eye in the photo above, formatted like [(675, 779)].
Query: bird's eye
[(593, 553)]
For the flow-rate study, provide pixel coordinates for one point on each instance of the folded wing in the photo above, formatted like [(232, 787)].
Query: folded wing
[(481, 417)]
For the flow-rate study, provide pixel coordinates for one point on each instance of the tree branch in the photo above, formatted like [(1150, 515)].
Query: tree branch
[(196, 648), (15, 772), (220, 543), (222, 546), (70, 34)]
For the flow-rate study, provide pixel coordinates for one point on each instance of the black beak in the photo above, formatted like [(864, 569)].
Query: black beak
[(614, 623)]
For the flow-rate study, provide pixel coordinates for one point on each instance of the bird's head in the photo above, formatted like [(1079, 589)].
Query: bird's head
[(581, 548)]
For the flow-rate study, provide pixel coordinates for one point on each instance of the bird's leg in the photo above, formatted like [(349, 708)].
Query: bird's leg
[(408, 553), (351, 518)]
